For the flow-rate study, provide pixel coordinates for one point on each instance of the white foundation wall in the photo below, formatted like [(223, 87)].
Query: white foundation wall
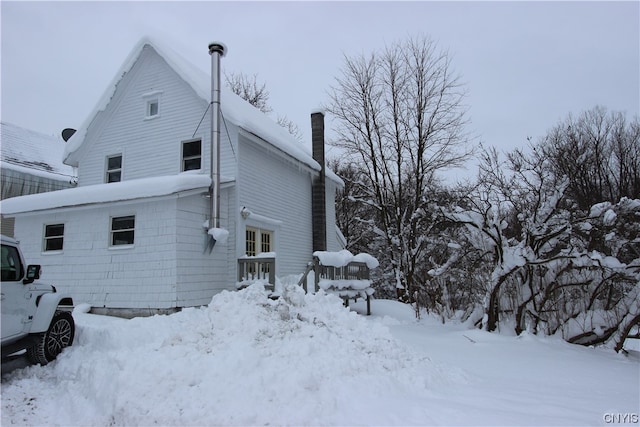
[(142, 275)]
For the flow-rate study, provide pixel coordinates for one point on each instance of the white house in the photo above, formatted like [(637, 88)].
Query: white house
[(30, 162), (132, 237)]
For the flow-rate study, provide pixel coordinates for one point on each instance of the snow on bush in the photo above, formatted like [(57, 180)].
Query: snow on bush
[(243, 360), (609, 218)]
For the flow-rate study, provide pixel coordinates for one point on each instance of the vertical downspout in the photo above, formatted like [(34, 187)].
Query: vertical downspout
[(216, 50)]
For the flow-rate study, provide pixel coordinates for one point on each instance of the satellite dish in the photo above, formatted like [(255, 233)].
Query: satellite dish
[(67, 133)]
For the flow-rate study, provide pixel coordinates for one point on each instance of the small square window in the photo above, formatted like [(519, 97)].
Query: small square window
[(151, 101), (53, 237), (152, 108), (123, 230), (191, 155), (114, 169)]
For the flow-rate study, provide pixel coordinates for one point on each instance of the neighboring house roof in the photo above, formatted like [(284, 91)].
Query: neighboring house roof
[(233, 107), (105, 193), (34, 153)]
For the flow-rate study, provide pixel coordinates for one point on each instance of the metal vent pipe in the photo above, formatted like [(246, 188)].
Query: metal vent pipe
[(216, 50)]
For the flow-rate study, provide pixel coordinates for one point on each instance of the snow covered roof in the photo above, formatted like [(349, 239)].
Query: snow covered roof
[(103, 193), (33, 152), (234, 108)]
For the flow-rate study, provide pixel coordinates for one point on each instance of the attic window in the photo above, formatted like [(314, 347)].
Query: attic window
[(191, 155), (152, 108), (152, 104)]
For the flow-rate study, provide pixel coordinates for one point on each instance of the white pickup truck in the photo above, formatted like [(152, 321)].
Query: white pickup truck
[(35, 317)]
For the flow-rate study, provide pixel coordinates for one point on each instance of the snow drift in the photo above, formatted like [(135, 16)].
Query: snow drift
[(306, 360), (243, 360)]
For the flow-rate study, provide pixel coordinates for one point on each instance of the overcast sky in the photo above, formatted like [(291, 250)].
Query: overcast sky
[(526, 65)]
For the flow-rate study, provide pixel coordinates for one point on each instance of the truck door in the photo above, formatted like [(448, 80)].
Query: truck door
[(15, 296)]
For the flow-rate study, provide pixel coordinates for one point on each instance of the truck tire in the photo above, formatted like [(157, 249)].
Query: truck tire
[(50, 344)]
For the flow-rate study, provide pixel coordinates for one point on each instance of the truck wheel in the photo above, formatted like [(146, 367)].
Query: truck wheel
[(51, 343)]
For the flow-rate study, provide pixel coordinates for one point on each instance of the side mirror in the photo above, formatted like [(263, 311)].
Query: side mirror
[(33, 273)]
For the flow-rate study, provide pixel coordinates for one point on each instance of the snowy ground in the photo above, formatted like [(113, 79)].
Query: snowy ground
[(305, 360)]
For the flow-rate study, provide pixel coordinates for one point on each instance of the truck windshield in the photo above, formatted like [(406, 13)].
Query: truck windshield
[(12, 269)]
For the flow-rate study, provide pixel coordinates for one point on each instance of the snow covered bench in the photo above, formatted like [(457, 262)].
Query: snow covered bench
[(343, 274)]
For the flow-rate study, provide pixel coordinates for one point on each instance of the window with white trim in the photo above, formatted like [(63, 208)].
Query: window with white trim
[(258, 241), (53, 237), (153, 107), (114, 168), (122, 230), (152, 104), (191, 154), (265, 241)]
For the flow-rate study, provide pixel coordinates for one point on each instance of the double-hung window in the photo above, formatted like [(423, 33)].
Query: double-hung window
[(114, 168), (191, 155), (122, 230), (258, 241), (53, 237)]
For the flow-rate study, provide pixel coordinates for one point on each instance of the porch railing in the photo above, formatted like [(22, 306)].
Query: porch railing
[(354, 271), (251, 269)]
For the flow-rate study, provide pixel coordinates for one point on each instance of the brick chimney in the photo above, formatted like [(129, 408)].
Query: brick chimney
[(318, 202)]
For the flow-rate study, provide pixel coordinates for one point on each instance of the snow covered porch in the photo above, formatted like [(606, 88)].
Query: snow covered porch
[(343, 274), (340, 273), (261, 267)]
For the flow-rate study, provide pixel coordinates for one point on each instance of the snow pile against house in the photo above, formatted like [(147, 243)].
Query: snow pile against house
[(243, 360), (305, 360)]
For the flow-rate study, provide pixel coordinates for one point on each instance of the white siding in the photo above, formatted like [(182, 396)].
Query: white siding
[(201, 274), (167, 267), (139, 276), (278, 189), (150, 146)]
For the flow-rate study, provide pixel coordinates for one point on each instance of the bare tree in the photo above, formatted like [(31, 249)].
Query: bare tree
[(290, 126), (399, 115), (257, 95), (600, 152), (556, 269), (249, 89)]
